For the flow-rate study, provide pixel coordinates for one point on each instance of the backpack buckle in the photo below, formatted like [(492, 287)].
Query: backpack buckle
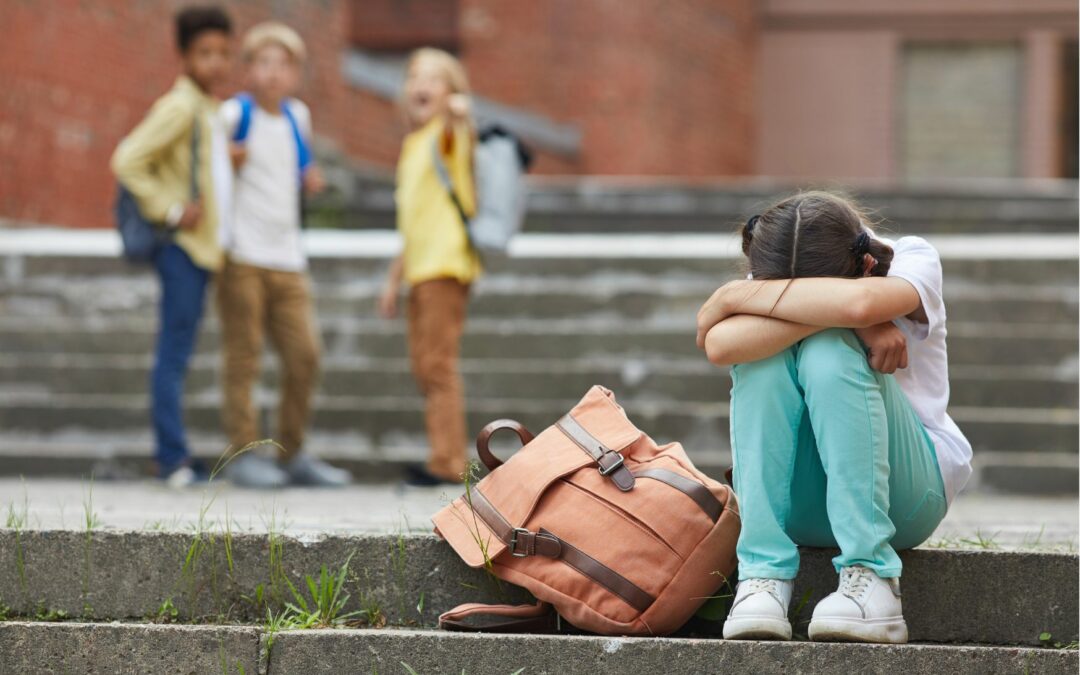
[(514, 540), (608, 470)]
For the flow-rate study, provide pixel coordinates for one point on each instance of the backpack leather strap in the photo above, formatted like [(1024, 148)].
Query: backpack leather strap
[(609, 462), (691, 488), (522, 543), (538, 618)]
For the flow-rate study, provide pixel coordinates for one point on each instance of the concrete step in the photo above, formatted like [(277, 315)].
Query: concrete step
[(350, 256), (91, 647), (127, 454), (645, 379), (411, 578), (556, 298), (620, 205), (1021, 305), (969, 344), (701, 426)]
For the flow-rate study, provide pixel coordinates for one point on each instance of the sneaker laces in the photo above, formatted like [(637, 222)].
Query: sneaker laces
[(855, 581), (756, 585)]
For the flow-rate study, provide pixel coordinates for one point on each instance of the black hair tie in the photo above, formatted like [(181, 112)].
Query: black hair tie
[(862, 245), (751, 223)]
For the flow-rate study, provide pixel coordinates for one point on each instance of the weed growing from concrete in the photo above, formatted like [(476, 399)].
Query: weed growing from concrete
[(275, 559), (716, 606), (1036, 541), (5, 611), (167, 612), (398, 564), (371, 613), (1047, 640), (471, 477), (797, 624), (981, 541), (44, 613), (17, 518), (328, 599), (91, 522)]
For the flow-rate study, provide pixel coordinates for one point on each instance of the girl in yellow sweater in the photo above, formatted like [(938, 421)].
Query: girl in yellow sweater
[(436, 262)]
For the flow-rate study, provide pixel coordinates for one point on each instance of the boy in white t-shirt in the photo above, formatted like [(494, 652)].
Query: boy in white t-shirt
[(839, 430), (264, 286)]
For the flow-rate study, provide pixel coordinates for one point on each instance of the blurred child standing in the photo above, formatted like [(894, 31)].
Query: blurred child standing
[(437, 261), (264, 286), (175, 164)]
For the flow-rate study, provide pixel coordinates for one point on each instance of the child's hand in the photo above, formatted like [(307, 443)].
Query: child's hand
[(238, 155), (191, 216), (459, 106), (887, 346), (314, 181), (388, 302)]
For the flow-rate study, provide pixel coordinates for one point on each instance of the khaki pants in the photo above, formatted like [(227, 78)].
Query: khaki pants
[(254, 301), (436, 322)]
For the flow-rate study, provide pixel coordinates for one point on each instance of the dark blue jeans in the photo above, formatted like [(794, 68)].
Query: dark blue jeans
[(183, 291)]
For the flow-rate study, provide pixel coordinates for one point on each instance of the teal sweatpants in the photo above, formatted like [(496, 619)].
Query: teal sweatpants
[(828, 452)]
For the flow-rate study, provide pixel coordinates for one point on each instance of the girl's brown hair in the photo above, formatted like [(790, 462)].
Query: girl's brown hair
[(812, 234)]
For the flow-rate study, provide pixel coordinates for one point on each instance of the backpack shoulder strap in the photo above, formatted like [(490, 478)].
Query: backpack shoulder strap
[(243, 126), (303, 152), (447, 182)]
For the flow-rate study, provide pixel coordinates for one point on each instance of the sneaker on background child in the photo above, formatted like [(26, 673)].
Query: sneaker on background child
[(154, 163), (264, 287), (437, 260)]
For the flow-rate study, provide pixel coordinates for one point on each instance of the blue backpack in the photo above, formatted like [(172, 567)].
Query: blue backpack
[(243, 128), (141, 238)]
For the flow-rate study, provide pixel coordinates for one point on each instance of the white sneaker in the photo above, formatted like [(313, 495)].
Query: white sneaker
[(181, 477), (760, 610), (865, 608)]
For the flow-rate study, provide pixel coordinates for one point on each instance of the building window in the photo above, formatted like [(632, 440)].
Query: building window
[(960, 110), (403, 25)]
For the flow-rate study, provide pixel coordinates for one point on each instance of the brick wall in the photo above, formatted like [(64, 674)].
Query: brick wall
[(657, 88)]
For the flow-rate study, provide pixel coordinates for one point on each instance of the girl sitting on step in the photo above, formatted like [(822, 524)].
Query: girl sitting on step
[(839, 431)]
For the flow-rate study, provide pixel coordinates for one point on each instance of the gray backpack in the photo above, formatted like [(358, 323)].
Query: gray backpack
[(499, 165)]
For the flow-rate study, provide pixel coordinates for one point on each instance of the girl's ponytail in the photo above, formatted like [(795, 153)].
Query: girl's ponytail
[(882, 253), (748, 233)]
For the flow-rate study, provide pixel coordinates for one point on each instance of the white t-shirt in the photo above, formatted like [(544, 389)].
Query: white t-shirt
[(222, 174), (925, 381), (265, 227)]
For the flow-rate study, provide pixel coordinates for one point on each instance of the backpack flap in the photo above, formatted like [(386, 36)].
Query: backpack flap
[(481, 524)]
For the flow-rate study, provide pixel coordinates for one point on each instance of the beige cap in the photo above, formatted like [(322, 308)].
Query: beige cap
[(276, 33)]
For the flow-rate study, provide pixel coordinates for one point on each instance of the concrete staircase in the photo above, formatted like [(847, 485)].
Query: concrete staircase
[(651, 204), (959, 623), (566, 312)]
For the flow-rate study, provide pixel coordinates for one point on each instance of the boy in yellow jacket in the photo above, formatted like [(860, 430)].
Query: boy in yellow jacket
[(154, 163)]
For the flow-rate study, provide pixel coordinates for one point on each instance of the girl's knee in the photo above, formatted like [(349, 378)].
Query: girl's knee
[(776, 366), (830, 354)]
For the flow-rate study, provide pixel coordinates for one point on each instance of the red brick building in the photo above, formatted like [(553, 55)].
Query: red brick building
[(801, 88)]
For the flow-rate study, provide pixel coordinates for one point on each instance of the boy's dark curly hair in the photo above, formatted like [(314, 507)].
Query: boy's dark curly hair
[(191, 21)]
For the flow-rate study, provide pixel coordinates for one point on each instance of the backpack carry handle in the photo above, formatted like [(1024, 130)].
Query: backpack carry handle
[(491, 461), (538, 618)]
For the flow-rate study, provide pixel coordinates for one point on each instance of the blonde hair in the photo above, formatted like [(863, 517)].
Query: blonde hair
[(273, 33), (448, 64)]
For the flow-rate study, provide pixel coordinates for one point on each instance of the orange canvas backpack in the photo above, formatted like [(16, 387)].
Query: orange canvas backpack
[(619, 535)]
